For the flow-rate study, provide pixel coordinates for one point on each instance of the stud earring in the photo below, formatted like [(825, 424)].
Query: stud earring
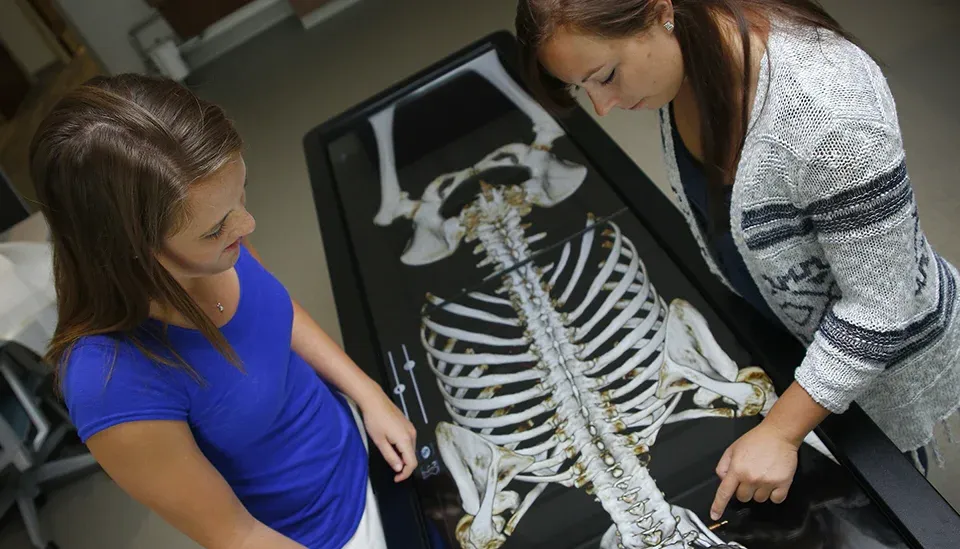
[(669, 26)]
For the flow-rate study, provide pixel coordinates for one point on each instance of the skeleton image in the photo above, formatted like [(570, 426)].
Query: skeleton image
[(559, 377)]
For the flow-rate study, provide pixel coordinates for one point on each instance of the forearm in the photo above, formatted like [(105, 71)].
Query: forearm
[(158, 463), (795, 414), (329, 360)]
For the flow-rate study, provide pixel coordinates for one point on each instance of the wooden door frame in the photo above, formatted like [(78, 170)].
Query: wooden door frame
[(37, 22)]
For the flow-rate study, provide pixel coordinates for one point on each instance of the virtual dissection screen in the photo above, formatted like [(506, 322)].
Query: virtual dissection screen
[(570, 387)]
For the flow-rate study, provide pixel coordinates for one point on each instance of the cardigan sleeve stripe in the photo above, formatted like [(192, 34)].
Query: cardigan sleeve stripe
[(889, 347), (882, 185), (853, 209), (890, 194), (772, 237)]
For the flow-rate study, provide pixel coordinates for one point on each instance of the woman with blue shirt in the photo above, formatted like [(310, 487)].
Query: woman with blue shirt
[(783, 148), (199, 385)]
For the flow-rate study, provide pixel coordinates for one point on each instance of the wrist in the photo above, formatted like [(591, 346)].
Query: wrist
[(795, 415), (369, 393), (784, 432)]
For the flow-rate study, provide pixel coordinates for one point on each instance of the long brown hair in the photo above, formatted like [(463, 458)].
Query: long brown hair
[(112, 165), (721, 87)]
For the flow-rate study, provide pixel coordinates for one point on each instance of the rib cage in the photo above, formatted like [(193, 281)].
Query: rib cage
[(571, 387)]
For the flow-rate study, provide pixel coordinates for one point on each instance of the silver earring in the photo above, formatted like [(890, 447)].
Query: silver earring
[(669, 26)]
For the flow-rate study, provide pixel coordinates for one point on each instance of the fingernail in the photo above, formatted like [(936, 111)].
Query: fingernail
[(397, 467), (714, 515)]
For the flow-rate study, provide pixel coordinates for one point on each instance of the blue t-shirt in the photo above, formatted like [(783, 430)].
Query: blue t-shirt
[(285, 441)]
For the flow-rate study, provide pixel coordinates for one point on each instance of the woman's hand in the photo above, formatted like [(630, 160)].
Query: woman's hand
[(760, 465), (391, 432)]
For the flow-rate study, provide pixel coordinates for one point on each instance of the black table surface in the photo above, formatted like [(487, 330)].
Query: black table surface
[(907, 501)]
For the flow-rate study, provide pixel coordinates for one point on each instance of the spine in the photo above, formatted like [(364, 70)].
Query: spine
[(634, 502)]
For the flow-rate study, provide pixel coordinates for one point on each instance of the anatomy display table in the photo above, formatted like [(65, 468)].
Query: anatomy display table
[(541, 313)]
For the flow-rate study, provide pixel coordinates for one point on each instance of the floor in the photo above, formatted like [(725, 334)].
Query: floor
[(286, 81)]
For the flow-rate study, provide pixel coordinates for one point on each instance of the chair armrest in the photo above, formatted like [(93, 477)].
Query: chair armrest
[(27, 400)]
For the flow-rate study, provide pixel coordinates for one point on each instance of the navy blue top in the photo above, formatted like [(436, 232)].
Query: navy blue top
[(721, 246), (285, 441)]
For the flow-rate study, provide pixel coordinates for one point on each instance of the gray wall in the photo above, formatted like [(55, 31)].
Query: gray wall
[(103, 25)]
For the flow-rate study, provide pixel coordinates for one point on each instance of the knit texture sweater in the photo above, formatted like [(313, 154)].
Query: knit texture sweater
[(824, 215)]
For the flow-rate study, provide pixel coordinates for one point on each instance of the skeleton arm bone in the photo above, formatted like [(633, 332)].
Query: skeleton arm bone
[(393, 202)]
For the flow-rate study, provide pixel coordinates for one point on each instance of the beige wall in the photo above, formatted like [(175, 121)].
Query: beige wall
[(23, 39)]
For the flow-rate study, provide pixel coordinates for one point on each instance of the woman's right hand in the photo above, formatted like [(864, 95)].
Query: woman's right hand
[(158, 464), (759, 466), (391, 432)]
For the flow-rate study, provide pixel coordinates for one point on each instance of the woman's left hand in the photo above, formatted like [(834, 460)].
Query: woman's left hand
[(392, 433), (759, 466)]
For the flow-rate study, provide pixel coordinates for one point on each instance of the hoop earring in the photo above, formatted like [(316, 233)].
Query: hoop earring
[(669, 26)]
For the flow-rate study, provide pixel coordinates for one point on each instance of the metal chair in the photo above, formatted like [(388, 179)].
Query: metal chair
[(33, 423), (29, 437)]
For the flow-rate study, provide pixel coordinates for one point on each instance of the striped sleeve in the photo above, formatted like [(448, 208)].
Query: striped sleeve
[(894, 295)]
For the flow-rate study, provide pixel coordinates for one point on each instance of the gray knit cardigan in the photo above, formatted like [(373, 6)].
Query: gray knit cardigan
[(824, 215)]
